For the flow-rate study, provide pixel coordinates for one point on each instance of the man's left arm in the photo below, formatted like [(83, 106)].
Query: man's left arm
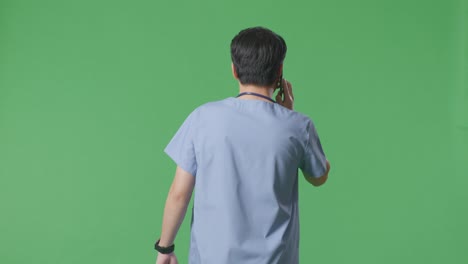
[(176, 205)]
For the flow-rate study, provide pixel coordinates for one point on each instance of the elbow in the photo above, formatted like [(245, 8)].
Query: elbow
[(320, 181), (179, 197), (317, 181)]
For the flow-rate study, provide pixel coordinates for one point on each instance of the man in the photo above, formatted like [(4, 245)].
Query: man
[(242, 155)]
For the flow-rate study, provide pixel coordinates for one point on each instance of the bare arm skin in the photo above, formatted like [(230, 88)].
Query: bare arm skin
[(320, 180), (174, 212)]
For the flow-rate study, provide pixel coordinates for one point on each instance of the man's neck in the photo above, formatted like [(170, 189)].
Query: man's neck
[(266, 91)]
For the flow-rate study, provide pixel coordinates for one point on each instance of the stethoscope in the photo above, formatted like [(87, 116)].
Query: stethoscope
[(256, 94)]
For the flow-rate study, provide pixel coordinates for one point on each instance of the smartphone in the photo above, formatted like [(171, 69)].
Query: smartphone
[(280, 85)]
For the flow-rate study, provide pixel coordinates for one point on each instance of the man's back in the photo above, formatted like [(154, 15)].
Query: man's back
[(245, 155), (241, 157)]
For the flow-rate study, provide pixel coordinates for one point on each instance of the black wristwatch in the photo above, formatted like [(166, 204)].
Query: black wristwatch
[(164, 250)]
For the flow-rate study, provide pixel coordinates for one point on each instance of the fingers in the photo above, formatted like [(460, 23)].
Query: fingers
[(279, 97), (287, 90), (290, 90), (288, 95)]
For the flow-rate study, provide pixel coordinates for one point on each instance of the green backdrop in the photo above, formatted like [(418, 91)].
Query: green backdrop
[(92, 91)]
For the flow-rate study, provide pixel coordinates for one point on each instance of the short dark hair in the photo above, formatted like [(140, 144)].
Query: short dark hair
[(257, 54)]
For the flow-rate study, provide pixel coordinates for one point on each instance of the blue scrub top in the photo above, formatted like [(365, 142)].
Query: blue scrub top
[(245, 155)]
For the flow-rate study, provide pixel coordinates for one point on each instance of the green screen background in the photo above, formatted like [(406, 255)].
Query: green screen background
[(92, 91)]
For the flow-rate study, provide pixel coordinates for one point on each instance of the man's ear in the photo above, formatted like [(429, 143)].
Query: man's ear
[(234, 73), (280, 72)]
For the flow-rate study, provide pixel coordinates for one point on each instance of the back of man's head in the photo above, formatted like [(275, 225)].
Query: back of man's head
[(257, 54)]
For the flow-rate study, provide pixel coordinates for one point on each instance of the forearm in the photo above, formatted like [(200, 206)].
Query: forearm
[(174, 213)]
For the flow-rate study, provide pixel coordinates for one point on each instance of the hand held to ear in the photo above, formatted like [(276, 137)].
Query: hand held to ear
[(286, 97)]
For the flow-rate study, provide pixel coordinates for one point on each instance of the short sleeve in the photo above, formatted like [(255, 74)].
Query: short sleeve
[(314, 162), (181, 147)]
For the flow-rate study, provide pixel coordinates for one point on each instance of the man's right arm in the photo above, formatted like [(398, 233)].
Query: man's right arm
[(288, 102), (317, 181)]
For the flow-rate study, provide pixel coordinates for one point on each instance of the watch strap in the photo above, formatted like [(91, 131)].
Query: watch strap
[(164, 250)]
